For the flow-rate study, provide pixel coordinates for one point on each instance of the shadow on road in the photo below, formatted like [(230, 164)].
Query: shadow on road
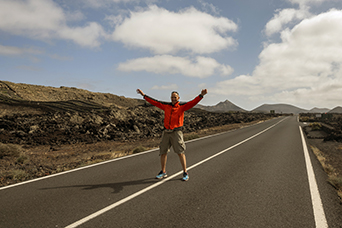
[(117, 187)]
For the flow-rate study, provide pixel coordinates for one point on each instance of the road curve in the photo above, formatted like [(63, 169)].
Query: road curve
[(252, 177)]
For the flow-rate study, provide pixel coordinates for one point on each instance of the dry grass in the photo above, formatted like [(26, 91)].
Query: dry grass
[(315, 126), (336, 181), (320, 156), (333, 178), (9, 150)]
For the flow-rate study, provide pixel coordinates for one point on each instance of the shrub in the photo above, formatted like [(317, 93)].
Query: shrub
[(304, 119), (9, 150), (139, 149), (19, 174), (191, 137), (22, 158), (315, 126), (336, 181)]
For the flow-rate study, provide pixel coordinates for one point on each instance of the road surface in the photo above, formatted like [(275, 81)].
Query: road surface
[(258, 176)]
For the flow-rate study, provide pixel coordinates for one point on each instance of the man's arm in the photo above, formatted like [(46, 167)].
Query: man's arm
[(151, 100), (140, 92), (197, 99)]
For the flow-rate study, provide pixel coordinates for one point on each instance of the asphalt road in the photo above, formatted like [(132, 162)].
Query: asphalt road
[(252, 177)]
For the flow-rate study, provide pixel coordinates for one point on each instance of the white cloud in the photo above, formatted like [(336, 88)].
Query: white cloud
[(61, 58), (44, 20), (306, 2), (75, 16), (284, 17), (87, 36), (163, 31), (305, 68), (109, 3), (208, 7), (15, 51), (165, 87), (30, 53), (114, 20), (29, 68), (167, 64), (202, 85)]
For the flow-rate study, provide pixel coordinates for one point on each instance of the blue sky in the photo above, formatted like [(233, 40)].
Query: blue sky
[(249, 52)]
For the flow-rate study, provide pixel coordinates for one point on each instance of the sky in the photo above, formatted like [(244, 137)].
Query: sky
[(250, 52)]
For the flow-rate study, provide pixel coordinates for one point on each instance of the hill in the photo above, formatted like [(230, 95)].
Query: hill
[(225, 106), (338, 109), (279, 108), (34, 99), (37, 93), (319, 110)]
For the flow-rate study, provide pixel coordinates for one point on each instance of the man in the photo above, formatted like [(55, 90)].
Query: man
[(173, 125)]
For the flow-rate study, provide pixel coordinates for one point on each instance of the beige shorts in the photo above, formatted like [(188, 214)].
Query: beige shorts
[(174, 139)]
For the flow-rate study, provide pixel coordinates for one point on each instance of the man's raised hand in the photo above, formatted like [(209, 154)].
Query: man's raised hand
[(140, 92), (204, 92)]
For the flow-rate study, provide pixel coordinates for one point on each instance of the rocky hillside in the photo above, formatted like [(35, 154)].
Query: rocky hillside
[(118, 124), (338, 109), (36, 93), (38, 115), (319, 110)]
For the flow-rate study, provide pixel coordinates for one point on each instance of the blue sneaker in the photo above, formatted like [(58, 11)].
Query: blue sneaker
[(185, 176), (161, 175)]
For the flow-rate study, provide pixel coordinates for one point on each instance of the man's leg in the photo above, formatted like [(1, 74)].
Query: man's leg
[(164, 147), (183, 162), (163, 159), (179, 147), (182, 159)]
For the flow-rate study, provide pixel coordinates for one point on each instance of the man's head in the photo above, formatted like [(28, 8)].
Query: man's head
[(174, 97)]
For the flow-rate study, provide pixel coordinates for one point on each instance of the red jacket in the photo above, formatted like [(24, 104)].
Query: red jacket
[(173, 114)]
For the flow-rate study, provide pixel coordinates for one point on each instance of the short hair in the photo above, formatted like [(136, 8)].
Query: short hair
[(175, 92)]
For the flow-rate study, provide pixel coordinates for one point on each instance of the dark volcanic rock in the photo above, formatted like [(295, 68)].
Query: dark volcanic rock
[(119, 124)]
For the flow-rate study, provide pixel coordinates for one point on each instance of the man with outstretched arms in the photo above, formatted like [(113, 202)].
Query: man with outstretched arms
[(173, 125)]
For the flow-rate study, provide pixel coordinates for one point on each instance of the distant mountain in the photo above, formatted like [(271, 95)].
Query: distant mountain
[(279, 108), (338, 109), (225, 106), (319, 110)]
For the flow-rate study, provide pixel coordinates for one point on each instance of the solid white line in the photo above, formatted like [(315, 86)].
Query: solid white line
[(320, 219), (112, 206)]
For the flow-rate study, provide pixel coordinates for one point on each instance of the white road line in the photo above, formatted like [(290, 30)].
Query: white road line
[(320, 219), (112, 206)]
